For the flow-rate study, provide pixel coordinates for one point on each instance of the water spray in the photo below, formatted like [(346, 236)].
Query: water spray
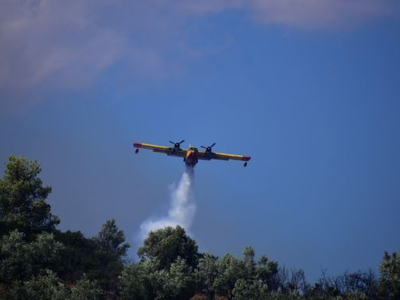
[(182, 207)]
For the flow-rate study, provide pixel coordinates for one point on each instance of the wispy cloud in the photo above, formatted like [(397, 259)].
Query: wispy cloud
[(322, 14), (67, 44), (72, 41), (307, 14)]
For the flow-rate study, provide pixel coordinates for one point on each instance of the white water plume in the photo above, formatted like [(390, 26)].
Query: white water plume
[(182, 207)]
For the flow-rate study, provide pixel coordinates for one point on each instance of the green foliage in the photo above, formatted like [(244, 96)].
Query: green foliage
[(248, 261), (22, 199), (389, 282), (147, 281), (238, 279), (245, 289), (178, 282), (266, 272), (167, 244), (78, 257), (207, 272), (101, 258), (21, 259), (44, 286), (37, 261), (86, 289), (108, 257), (112, 240), (13, 257), (47, 286), (131, 283), (150, 278), (230, 270), (30, 245)]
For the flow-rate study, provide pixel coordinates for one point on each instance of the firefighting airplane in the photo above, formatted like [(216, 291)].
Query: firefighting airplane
[(191, 155)]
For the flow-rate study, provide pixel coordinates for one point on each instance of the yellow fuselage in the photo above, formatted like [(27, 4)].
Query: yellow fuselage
[(191, 157)]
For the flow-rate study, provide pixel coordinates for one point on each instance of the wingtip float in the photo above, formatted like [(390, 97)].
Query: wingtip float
[(191, 155)]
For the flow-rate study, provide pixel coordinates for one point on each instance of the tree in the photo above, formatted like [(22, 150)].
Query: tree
[(78, 257), (245, 290), (167, 244), (207, 272), (166, 270), (131, 283), (230, 270), (249, 263), (41, 287), (23, 199), (14, 263), (266, 272), (177, 282), (47, 285), (86, 289), (20, 259), (150, 281), (290, 283), (362, 284), (112, 240), (109, 256), (389, 281)]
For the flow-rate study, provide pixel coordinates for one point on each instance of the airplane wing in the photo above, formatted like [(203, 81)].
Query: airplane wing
[(161, 149), (221, 156)]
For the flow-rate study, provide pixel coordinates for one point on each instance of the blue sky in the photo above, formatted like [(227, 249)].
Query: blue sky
[(310, 89)]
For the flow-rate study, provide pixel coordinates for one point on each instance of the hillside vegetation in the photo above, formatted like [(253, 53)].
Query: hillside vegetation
[(39, 261)]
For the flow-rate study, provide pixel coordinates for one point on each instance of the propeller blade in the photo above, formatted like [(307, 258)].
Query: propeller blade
[(171, 142), (203, 147), (213, 145), (181, 142)]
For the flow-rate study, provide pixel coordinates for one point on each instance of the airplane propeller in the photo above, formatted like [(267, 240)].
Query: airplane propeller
[(177, 145), (209, 148)]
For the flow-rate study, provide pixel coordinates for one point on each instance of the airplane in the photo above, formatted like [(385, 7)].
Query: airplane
[(191, 155)]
